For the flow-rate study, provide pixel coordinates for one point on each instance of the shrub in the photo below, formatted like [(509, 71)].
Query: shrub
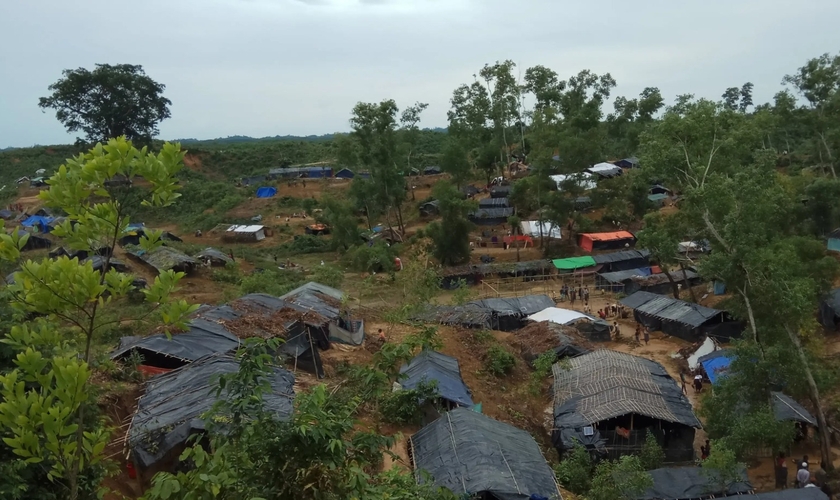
[(328, 275), (305, 243), (229, 274), (499, 361), (542, 369), (652, 454), (271, 281), (406, 406), (575, 470)]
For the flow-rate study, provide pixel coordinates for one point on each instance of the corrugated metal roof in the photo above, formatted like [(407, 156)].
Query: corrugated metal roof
[(669, 309), (619, 276)]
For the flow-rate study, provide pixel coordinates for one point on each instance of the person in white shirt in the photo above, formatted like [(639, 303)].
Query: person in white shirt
[(802, 477)]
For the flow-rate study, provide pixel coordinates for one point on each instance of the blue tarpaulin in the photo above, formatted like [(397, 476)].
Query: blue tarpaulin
[(42, 223), (716, 364), (720, 287), (266, 192)]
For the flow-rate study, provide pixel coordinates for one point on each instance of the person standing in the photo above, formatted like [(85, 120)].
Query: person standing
[(705, 450), (638, 334), (580, 293), (698, 383), (572, 297), (586, 293), (682, 375), (647, 336), (781, 471), (802, 477)]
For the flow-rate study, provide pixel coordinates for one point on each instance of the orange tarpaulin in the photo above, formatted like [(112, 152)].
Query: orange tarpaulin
[(519, 237), (587, 240)]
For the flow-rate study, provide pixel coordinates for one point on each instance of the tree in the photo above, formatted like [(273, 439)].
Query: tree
[(622, 479), (450, 235), (338, 215), (514, 223), (110, 101), (454, 162), (722, 467), (574, 472), (746, 97), (50, 384), (410, 131), (652, 454)]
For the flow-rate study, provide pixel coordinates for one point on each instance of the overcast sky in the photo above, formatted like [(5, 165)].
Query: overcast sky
[(277, 67)]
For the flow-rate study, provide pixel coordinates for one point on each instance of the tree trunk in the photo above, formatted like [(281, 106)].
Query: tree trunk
[(686, 283), (825, 435), (830, 156), (400, 220), (750, 317), (674, 287)]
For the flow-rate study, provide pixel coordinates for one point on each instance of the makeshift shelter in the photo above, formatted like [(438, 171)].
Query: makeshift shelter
[(6, 214), (659, 283), (583, 203), (659, 189), (470, 191), (433, 170), (595, 331), (535, 229), (490, 216), (256, 179), (508, 314), (583, 180), (493, 203), (317, 229), (215, 257), (266, 192), (345, 173), (137, 231), (442, 370), (244, 233), (430, 208), (693, 249), (500, 191), (615, 281), (326, 302), (606, 241), (693, 483), (833, 242), (173, 405), (830, 310), (658, 200), (98, 262), (608, 401), (681, 319), (631, 162), (576, 265), (560, 316), (468, 316), (472, 454), (300, 172), (34, 242), (605, 170), (790, 494), (165, 259), (38, 182), (42, 224), (202, 338), (707, 347), (69, 252), (623, 260)]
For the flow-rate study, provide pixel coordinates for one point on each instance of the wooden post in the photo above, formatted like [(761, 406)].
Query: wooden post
[(631, 421)]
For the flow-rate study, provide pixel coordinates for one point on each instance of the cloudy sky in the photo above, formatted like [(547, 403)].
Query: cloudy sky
[(277, 67)]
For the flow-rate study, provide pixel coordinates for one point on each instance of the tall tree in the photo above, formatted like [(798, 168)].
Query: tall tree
[(409, 120), (110, 101), (451, 235), (454, 161)]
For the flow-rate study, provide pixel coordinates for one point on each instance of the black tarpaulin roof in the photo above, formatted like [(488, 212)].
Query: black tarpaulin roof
[(621, 256), (491, 213), (213, 254), (527, 305), (605, 384), (785, 408), (468, 315), (493, 203), (468, 452), (172, 407), (690, 483), (311, 297), (670, 309), (431, 366), (201, 339), (791, 494)]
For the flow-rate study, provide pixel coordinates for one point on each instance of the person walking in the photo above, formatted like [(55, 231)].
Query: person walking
[(580, 293), (638, 333), (586, 293), (647, 336), (698, 383), (682, 377), (572, 297), (780, 466)]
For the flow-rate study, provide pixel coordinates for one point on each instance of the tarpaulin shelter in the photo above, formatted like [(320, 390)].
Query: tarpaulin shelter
[(172, 407), (34, 242), (300, 172), (469, 191), (716, 365), (493, 203), (98, 262), (69, 252), (345, 173), (202, 338), (134, 234), (429, 208), (830, 310), (256, 179), (707, 347), (576, 265), (36, 221), (681, 319), (472, 454), (790, 494), (606, 241), (658, 200), (326, 302), (6, 214), (631, 162), (535, 229), (583, 180), (467, 316), (608, 401), (659, 189), (164, 259), (508, 314), (490, 216), (622, 260), (433, 170), (693, 483), (560, 316), (500, 191), (239, 232), (215, 256), (605, 170), (615, 281), (266, 192), (431, 366), (659, 283)]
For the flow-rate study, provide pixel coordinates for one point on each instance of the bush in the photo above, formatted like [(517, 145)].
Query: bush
[(271, 281), (542, 369), (305, 243), (377, 258), (328, 275), (499, 361), (652, 454), (406, 406), (575, 470)]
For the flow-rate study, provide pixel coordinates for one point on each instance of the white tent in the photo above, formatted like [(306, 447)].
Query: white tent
[(559, 316), (237, 232), (707, 347), (605, 169), (533, 228), (583, 179)]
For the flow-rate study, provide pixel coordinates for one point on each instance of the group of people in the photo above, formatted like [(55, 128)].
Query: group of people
[(804, 477), (573, 294), (611, 311)]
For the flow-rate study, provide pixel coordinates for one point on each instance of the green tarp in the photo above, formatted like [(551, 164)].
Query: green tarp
[(574, 262)]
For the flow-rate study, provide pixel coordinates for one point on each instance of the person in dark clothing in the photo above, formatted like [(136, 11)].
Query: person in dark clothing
[(638, 334), (572, 297), (647, 336), (682, 376), (781, 469), (705, 450)]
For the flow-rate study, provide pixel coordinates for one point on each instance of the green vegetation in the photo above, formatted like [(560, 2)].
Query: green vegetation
[(622, 479), (499, 361)]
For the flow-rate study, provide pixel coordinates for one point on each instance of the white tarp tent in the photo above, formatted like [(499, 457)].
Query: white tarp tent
[(559, 316), (533, 228), (256, 233), (605, 169), (583, 179), (707, 347)]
